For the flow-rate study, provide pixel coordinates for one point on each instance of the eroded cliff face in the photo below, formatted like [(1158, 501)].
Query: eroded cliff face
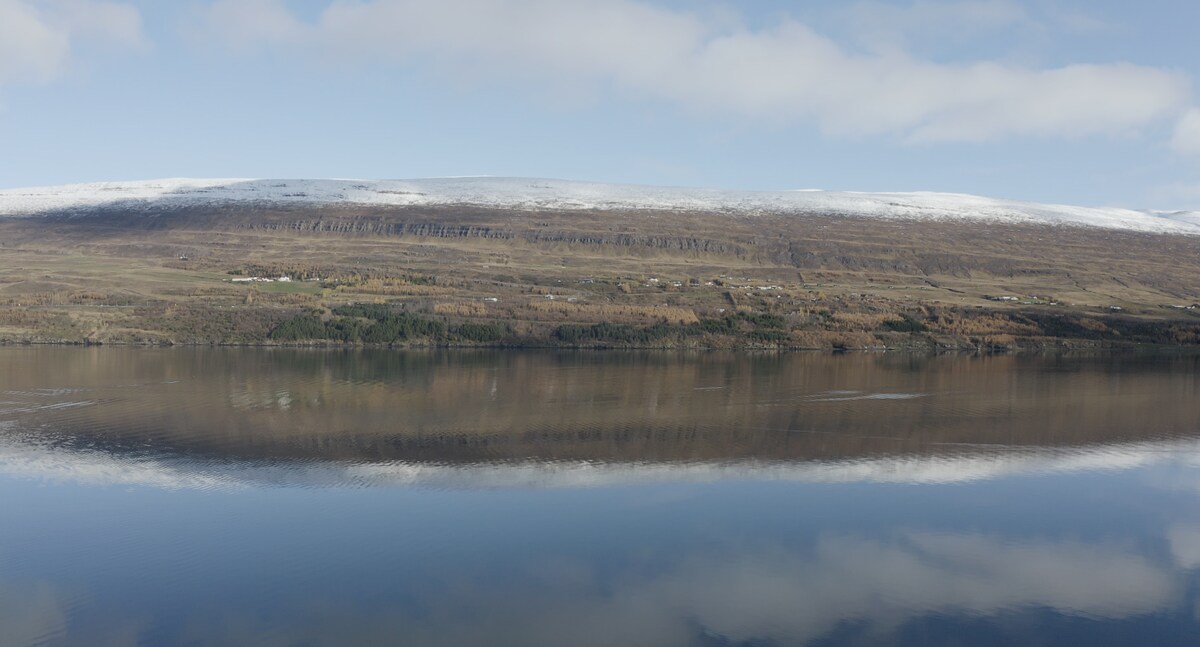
[(805, 241)]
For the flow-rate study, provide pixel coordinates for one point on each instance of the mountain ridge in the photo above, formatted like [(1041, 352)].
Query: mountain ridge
[(533, 194), (521, 262)]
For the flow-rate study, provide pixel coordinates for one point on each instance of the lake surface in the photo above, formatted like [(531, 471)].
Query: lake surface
[(279, 497)]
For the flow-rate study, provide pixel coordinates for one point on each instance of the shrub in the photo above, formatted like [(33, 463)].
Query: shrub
[(300, 328), (383, 326), (482, 332), (906, 323), (614, 333)]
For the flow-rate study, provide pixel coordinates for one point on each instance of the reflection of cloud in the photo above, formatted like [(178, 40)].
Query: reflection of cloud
[(1070, 577), (28, 457), (772, 595), (41, 613), (1184, 540), (847, 579), (31, 615)]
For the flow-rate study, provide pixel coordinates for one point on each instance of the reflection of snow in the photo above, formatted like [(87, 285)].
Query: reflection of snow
[(845, 396), (30, 459), (26, 408), (96, 467)]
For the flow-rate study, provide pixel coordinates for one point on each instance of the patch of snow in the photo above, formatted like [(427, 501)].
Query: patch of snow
[(542, 194)]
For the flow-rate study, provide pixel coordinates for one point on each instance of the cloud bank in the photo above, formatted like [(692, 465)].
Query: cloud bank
[(1187, 133), (712, 63), (37, 38)]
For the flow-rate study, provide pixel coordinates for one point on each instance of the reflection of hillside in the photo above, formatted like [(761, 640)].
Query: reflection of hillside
[(468, 407)]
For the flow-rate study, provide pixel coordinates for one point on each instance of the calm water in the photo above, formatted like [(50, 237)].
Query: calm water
[(217, 497)]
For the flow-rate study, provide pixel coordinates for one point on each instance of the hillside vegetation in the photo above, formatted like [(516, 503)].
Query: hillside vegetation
[(444, 275)]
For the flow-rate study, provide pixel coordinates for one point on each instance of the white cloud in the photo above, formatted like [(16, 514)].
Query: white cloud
[(880, 26), (29, 48), (37, 38), (788, 73), (1180, 195), (115, 22), (250, 23), (1187, 133)]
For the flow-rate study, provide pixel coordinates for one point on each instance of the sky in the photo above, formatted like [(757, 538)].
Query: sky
[(1091, 102)]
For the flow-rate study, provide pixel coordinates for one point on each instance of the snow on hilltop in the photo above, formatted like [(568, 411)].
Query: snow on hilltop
[(525, 193)]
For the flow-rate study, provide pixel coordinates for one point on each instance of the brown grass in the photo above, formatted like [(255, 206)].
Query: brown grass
[(839, 275)]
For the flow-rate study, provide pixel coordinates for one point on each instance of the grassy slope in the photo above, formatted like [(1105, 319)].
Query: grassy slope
[(117, 277)]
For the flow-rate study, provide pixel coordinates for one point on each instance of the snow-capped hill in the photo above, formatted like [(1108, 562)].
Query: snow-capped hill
[(525, 193)]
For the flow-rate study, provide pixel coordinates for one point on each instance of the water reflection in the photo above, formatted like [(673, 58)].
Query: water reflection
[(31, 614), (447, 408), (857, 589), (28, 456), (244, 497)]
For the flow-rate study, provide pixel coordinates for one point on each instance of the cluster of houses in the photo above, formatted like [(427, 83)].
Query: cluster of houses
[(760, 288), (654, 282), (1029, 301), (261, 279)]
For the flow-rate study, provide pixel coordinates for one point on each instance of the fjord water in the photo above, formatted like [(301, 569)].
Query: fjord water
[(287, 497)]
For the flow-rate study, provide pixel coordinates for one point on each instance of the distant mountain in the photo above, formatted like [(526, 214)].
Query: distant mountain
[(561, 195), (509, 261)]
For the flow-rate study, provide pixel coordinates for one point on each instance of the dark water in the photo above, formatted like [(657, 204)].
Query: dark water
[(212, 497)]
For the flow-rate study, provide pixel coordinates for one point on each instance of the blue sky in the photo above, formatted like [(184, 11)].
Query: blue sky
[(1056, 100)]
